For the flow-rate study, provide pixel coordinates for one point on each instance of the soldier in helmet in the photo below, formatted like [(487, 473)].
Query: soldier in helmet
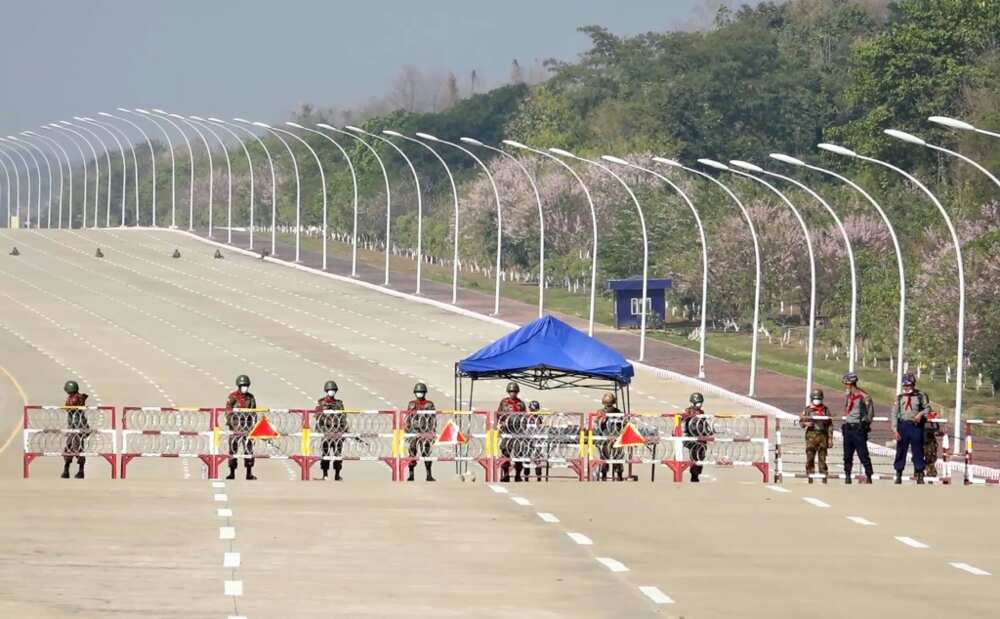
[(696, 425), (79, 428), (908, 417), (422, 425), (858, 413), (333, 426), (509, 425), (932, 430), (241, 419), (535, 427), (610, 425), (819, 433)]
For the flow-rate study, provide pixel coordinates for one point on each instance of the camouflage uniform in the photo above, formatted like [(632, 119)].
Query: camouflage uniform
[(907, 419), (931, 432), (333, 426), (610, 425), (76, 422), (818, 437), (422, 425), (240, 422), (508, 407), (696, 426)]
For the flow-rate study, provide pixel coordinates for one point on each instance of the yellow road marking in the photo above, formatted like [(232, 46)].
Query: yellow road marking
[(24, 398)]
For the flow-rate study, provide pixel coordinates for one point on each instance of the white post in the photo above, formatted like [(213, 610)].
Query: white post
[(152, 157), (322, 180), (16, 149), (121, 151), (420, 203), (211, 173), (229, 177), (173, 164), (246, 152), (83, 164), (69, 167), (48, 167)]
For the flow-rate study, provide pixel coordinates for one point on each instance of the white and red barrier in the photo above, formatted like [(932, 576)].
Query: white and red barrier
[(69, 432), (165, 432)]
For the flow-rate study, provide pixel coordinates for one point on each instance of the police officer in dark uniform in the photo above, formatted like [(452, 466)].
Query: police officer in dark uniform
[(610, 425), (423, 425), (908, 418), (858, 413), (694, 425), (76, 422), (333, 426), (241, 419), (511, 425)]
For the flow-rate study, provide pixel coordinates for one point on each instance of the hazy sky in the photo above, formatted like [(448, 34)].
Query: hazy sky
[(260, 59)]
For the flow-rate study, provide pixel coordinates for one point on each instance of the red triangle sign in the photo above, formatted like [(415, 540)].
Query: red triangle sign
[(263, 429), (450, 435), (630, 437)]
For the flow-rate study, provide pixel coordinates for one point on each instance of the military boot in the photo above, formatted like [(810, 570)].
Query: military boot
[(920, 477), (899, 477), (848, 479), (79, 474), (232, 473), (409, 477), (428, 465), (868, 478), (65, 473), (250, 475)]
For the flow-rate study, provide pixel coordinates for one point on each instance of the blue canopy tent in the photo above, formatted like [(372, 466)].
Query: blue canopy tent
[(547, 354)]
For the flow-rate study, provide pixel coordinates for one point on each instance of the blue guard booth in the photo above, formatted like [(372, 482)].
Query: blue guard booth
[(628, 294)]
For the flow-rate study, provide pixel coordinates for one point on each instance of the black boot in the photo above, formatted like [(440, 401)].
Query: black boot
[(409, 477), (899, 477), (336, 471), (430, 477), (232, 473), (79, 474), (848, 479), (920, 477), (65, 473), (868, 478), (250, 475)]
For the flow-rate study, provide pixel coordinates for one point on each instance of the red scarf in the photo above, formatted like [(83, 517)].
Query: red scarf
[(909, 404), (851, 399)]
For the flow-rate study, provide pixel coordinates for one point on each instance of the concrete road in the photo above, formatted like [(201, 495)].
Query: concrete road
[(140, 328)]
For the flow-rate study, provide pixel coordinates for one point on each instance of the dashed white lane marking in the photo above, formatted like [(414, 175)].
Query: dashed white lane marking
[(234, 587), (862, 521), (227, 532), (611, 564), (581, 539), (520, 500), (220, 498), (777, 488), (218, 484), (547, 517), (814, 501), (498, 489), (231, 559), (237, 617), (909, 541), (657, 596), (965, 567), (224, 512)]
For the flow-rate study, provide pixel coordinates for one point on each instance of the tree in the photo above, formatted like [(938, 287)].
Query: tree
[(516, 77)]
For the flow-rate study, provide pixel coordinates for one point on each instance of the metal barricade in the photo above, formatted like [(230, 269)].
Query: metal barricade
[(721, 441), (647, 440), (974, 473), (417, 434), (233, 440), (545, 441), (359, 435), (165, 432), (70, 432)]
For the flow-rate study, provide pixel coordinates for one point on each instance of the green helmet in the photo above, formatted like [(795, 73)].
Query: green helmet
[(420, 388), (816, 394), (697, 398), (513, 387), (242, 380), (330, 385), (71, 387)]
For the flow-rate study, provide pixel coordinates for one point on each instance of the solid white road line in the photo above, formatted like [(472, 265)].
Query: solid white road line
[(218, 484), (231, 559), (520, 500), (965, 567), (814, 501), (221, 498), (912, 543), (862, 521), (234, 587), (581, 539), (227, 532), (547, 517), (777, 488), (611, 564), (656, 595), (224, 512), (498, 489)]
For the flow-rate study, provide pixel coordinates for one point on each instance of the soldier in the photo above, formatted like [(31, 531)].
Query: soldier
[(858, 413), (79, 428), (535, 427), (610, 425), (819, 436), (240, 422), (510, 425), (421, 425), (908, 418), (333, 426), (932, 430), (695, 425)]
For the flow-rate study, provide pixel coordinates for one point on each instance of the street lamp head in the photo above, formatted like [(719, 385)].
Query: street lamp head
[(141, 111), (263, 125), (562, 153), (669, 162), (787, 159), (617, 160), (514, 144), (12, 137), (121, 109), (291, 124), (712, 163), (178, 116), (952, 123), (906, 137), (242, 120), (198, 118), (471, 141), (159, 111), (354, 129), (427, 136), (216, 120), (837, 150), (394, 134), (103, 114), (736, 163), (325, 126), (29, 133)]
